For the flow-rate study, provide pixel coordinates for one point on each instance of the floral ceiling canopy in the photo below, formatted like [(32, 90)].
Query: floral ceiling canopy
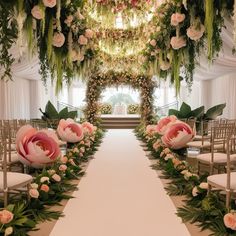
[(76, 38)]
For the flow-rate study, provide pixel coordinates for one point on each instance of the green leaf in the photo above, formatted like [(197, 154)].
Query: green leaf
[(215, 111), (173, 112), (185, 111), (63, 114), (72, 114), (51, 111), (198, 112)]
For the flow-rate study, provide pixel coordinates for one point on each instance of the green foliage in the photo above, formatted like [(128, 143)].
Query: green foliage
[(186, 112)]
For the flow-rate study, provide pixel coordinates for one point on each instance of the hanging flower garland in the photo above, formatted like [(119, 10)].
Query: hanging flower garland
[(182, 29)]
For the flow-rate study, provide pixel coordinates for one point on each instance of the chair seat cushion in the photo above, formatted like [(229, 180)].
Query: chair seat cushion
[(198, 144), (15, 179), (220, 180), (219, 158)]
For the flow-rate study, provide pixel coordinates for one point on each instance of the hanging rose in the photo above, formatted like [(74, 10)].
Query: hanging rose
[(58, 40), (69, 20), (177, 18), (165, 65), (178, 135), (89, 33), (70, 131), (50, 3), (195, 33), (153, 42), (36, 148), (37, 12), (230, 220), (178, 42), (165, 123), (82, 40)]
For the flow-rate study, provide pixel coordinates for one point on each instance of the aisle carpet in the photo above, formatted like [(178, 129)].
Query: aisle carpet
[(120, 195)]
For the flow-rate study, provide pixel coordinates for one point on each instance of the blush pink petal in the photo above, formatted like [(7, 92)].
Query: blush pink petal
[(25, 132)]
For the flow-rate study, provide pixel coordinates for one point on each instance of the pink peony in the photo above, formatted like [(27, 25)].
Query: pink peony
[(50, 3), (58, 40), (37, 12), (69, 20), (195, 33), (88, 128), (34, 193), (36, 148), (230, 220), (165, 123), (177, 18), (177, 135), (63, 167), (153, 42), (6, 217), (82, 40), (70, 131), (44, 188), (89, 33), (178, 42)]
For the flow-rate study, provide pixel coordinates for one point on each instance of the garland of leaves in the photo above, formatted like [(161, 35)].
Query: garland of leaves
[(207, 210), (99, 82)]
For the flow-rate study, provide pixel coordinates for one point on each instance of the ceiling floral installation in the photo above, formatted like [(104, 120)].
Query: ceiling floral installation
[(78, 38)]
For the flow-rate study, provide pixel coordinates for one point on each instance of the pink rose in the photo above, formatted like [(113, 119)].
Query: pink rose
[(6, 217), (178, 42), (69, 20), (153, 42), (82, 40), (72, 162), (37, 12), (58, 40), (64, 159), (156, 145), (177, 135), (56, 177), (195, 33), (151, 129), (88, 128), (36, 148), (63, 168), (44, 188), (70, 131), (164, 124), (89, 33), (79, 15), (165, 65), (177, 18), (34, 193), (50, 3), (230, 220)]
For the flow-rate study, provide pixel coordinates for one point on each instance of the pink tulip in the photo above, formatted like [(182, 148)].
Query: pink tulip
[(70, 131), (230, 220), (177, 135), (35, 148), (164, 124)]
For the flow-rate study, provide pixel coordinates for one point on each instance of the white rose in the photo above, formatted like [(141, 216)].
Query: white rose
[(34, 186), (204, 185), (8, 231), (44, 179), (195, 191)]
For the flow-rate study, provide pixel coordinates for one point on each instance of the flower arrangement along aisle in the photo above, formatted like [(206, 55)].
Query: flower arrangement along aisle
[(207, 210), (51, 184)]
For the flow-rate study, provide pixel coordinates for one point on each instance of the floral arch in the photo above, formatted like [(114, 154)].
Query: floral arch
[(98, 82)]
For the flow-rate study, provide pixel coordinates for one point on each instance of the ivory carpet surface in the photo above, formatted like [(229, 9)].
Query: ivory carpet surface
[(120, 195)]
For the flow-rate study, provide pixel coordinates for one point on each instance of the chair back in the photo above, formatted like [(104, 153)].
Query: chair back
[(3, 154)]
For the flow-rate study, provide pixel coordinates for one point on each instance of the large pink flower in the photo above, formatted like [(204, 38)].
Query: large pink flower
[(178, 42), (165, 123), (36, 148), (88, 127), (70, 131), (177, 135), (230, 220), (177, 18)]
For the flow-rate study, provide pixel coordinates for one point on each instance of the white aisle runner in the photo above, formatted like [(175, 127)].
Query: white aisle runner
[(120, 195)]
